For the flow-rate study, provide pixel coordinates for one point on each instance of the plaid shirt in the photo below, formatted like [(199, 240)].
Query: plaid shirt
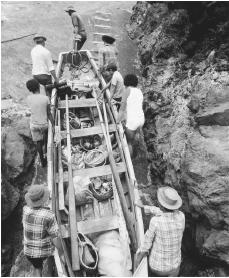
[(107, 54), (40, 226), (164, 236)]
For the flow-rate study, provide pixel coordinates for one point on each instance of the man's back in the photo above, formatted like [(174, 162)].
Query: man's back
[(117, 81), (38, 104), (41, 60), (107, 54), (77, 21), (166, 232)]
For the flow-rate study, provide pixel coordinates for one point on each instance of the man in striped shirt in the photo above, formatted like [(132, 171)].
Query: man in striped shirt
[(164, 236)]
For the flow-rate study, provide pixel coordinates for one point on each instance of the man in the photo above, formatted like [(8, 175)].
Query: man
[(163, 238), (116, 84), (79, 29), (108, 53), (131, 110), (43, 68), (40, 113), (40, 228)]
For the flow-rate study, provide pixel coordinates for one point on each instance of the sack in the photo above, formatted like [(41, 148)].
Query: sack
[(88, 253)]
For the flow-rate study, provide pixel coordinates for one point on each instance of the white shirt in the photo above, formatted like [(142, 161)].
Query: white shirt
[(42, 60)]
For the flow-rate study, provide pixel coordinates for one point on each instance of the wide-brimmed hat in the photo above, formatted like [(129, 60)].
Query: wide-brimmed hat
[(37, 195), (39, 37), (108, 39), (70, 8), (169, 198)]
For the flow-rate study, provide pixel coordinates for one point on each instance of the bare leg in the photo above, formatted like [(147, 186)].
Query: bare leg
[(40, 151), (130, 135), (45, 141), (37, 272)]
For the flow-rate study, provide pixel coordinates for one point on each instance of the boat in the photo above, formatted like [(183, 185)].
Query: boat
[(86, 142)]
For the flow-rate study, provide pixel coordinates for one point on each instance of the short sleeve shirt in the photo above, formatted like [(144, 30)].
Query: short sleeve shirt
[(117, 81), (41, 60), (38, 104), (40, 226)]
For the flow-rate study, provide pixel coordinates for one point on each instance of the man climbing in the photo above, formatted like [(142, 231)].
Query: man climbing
[(41, 232), (40, 113), (108, 53), (131, 110), (79, 32), (43, 68), (116, 85), (163, 238)]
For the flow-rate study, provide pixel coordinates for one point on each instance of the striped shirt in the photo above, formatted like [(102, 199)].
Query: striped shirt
[(164, 238), (40, 226)]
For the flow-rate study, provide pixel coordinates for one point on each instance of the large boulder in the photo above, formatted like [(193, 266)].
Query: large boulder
[(18, 150)]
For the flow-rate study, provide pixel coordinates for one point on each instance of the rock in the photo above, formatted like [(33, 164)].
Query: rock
[(194, 104), (216, 246), (218, 115), (17, 153), (10, 197)]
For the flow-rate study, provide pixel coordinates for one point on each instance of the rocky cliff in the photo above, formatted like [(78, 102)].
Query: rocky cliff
[(183, 48)]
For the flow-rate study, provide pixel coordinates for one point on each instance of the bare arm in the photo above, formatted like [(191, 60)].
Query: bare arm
[(53, 73), (122, 109)]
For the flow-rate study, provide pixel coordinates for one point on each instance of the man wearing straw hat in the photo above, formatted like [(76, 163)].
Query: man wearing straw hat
[(40, 227), (164, 236)]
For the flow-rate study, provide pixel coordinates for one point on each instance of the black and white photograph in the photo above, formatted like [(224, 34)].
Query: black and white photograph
[(114, 138)]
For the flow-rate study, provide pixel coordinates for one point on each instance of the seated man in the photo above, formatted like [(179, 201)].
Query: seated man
[(40, 113)]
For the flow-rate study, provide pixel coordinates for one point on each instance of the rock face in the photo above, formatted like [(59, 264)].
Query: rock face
[(183, 49)]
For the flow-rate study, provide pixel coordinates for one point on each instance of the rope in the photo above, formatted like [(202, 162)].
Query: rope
[(18, 38)]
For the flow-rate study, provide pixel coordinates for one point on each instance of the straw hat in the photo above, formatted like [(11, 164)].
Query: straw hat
[(70, 8), (39, 37), (37, 195), (108, 39), (169, 198)]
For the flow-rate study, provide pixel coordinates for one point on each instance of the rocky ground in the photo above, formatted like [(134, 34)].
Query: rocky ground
[(183, 53)]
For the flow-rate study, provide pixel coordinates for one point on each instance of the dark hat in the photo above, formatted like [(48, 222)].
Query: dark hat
[(39, 37), (70, 8), (169, 198), (37, 195), (108, 39)]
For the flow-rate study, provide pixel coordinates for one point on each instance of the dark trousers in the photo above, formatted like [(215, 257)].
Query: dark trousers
[(82, 41), (171, 273), (44, 79)]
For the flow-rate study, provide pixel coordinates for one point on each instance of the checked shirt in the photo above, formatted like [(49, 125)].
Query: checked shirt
[(164, 236), (39, 227)]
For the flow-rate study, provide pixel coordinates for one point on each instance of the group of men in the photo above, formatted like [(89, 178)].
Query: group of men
[(162, 242)]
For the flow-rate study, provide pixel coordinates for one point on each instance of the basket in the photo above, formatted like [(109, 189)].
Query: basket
[(91, 160), (91, 140), (74, 121), (101, 196)]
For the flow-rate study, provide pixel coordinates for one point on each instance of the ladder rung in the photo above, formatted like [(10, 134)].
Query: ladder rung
[(77, 103), (103, 26), (86, 131)]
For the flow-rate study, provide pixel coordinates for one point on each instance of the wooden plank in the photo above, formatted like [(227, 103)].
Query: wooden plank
[(77, 103), (96, 171), (93, 226), (60, 171), (86, 131), (72, 206)]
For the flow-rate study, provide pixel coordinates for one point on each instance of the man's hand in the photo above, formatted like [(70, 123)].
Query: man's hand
[(139, 204), (77, 37)]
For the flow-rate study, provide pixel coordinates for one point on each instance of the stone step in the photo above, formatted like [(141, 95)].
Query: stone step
[(102, 19), (102, 27)]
